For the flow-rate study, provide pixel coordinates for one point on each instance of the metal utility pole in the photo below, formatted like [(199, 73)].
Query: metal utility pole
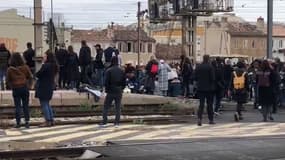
[(38, 32), (139, 26), (51, 27), (269, 28), (189, 25)]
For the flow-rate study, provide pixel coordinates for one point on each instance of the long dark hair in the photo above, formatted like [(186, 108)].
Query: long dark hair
[(52, 60), (16, 60), (265, 66)]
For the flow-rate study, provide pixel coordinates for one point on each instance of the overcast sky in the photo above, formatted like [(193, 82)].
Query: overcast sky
[(99, 13)]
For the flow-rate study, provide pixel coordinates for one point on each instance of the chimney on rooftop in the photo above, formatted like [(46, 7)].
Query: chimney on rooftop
[(260, 25)]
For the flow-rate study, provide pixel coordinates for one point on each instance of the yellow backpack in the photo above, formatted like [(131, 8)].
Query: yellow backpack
[(239, 81)]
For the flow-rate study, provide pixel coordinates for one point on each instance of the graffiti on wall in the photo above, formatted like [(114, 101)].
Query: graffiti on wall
[(10, 43)]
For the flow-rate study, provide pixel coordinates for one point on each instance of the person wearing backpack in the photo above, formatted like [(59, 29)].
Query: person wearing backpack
[(265, 81), (239, 88), (151, 73), (18, 78)]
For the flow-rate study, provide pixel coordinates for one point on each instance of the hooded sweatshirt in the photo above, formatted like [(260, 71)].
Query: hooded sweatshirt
[(17, 77)]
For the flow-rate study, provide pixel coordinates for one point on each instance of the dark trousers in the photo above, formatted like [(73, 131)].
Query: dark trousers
[(206, 97), (186, 87), (266, 111), (61, 78), (239, 108), (218, 99), (117, 97), (21, 101)]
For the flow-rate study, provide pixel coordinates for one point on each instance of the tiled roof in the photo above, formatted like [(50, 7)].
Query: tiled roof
[(131, 35), (244, 29), (89, 35), (279, 30), (118, 35)]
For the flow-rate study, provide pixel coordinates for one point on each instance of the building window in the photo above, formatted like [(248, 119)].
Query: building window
[(120, 47), (264, 45), (245, 44), (129, 47), (149, 47), (253, 44), (236, 44), (280, 43)]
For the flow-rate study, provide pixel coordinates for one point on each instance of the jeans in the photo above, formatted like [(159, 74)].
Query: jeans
[(47, 110), (21, 100), (2, 77), (100, 77), (107, 104), (206, 96)]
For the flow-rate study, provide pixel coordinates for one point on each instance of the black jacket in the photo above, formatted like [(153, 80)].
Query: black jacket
[(98, 59), (205, 78), (187, 71), (115, 80), (29, 54), (61, 56), (85, 56), (220, 80), (4, 58), (45, 83)]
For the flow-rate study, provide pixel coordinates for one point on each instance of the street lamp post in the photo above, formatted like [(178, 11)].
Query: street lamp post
[(269, 27)]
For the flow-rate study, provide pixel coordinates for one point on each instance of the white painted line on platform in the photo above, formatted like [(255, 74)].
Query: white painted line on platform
[(12, 132), (110, 136), (42, 134), (37, 129), (69, 136)]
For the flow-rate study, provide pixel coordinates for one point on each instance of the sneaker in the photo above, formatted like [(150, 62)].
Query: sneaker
[(217, 114), (116, 125), (271, 118), (102, 125), (199, 122), (236, 116), (17, 126), (27, 125), (212, 123)]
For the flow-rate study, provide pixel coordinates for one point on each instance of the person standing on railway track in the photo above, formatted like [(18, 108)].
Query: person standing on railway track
[(18, 77), (45, 86), (115, 82)]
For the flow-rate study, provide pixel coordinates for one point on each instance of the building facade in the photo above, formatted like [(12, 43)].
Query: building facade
[(126, 41)]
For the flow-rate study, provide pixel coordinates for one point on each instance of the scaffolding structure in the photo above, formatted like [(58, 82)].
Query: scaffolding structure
[(187, 11)]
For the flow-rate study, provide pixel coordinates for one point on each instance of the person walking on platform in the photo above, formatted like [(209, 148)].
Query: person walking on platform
[(265, 81), (45, 86), (18, 78), (205, 78), (239, 89), (115, 82)]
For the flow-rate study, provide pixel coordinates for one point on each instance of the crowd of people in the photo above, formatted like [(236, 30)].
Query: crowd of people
[(210, 81)]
